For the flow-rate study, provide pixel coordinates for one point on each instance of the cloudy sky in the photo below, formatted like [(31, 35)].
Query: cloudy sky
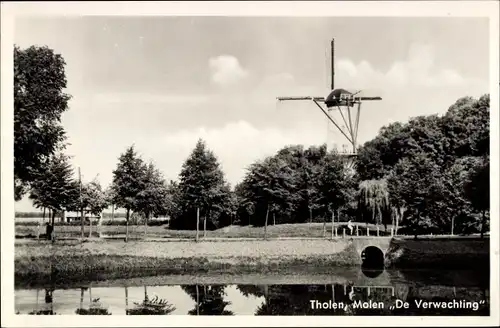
[(163, 82)]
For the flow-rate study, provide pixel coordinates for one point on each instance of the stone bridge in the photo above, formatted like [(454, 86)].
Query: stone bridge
[(370, 249), (361, 243)]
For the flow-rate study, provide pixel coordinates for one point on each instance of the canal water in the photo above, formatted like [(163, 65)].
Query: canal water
[(352, 292)]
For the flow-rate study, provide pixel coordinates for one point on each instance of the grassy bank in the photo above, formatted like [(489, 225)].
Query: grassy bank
[(447, 253), (94, 261), (73, 261), (314, 230)]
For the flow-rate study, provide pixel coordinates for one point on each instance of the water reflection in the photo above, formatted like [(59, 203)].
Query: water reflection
[(95, 306), (370, 293), (48, 307), (371, 273), (154, 306), (209, 299)]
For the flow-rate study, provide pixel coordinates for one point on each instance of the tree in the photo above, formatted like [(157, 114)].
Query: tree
[(374, 196), (152, 199), (245, 203), (416, 184), (128, 181), (201, 188), (39, 101), (477, 190), (466, 127), (54, 187), (96, 200), (456, 204), (334, 186), (270, 185)]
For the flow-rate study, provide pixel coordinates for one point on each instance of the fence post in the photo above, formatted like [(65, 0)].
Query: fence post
[(377, 232), (367, 231), (343, 232), (392, 232), (357, 230)]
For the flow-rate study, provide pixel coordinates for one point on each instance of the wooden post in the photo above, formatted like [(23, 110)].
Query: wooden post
[(333, 223), (274, 219), (377, 231), (357, 230), (81, 203), (53, 226), (343, 232), (324, 227), (99, 225), (367, 231), (90, 225), (126, 300), (197, 223), (265, 224), (197, 300), (207, 215), (126, 225), (36, 306), (452, 224)]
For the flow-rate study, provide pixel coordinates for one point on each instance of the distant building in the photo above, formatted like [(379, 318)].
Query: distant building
[(76, 217)]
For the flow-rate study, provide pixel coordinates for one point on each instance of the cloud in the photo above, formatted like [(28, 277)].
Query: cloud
[(417, 70), (236, 145), (226, 70)]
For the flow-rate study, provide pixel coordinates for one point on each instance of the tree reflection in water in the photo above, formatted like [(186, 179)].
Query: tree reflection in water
[(154, 306), (48, 300), (209, 299), (295, 299), (95, 307)]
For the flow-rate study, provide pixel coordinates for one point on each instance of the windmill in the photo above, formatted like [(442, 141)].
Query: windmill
[(348, 105)]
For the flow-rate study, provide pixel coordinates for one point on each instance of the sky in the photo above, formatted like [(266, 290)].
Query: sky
[(161, 83)]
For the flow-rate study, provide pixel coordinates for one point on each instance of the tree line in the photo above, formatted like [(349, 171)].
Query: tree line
[(430, 174)]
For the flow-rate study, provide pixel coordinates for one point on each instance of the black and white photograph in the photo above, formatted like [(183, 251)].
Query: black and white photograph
[(196, 162)]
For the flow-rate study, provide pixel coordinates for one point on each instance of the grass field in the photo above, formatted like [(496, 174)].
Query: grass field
[(309, 230)]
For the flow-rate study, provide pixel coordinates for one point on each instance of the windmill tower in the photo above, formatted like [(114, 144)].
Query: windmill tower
[(345, 103)]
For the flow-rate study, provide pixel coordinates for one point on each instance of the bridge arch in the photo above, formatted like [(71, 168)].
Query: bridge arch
[(372, 257)]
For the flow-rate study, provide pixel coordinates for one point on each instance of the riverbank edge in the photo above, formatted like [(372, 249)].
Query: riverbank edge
[(85, 266)]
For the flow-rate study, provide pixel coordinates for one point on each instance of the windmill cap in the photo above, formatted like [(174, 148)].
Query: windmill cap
[(335, 96)]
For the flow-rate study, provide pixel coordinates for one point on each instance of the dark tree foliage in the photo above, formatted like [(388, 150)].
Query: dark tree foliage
[(54, 188), (477, 190), (427, 162), (39, 101), (335, 188), (269, 185), (153, 198), (416, 184), (202, 186), (209, 299), (128, 180)]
